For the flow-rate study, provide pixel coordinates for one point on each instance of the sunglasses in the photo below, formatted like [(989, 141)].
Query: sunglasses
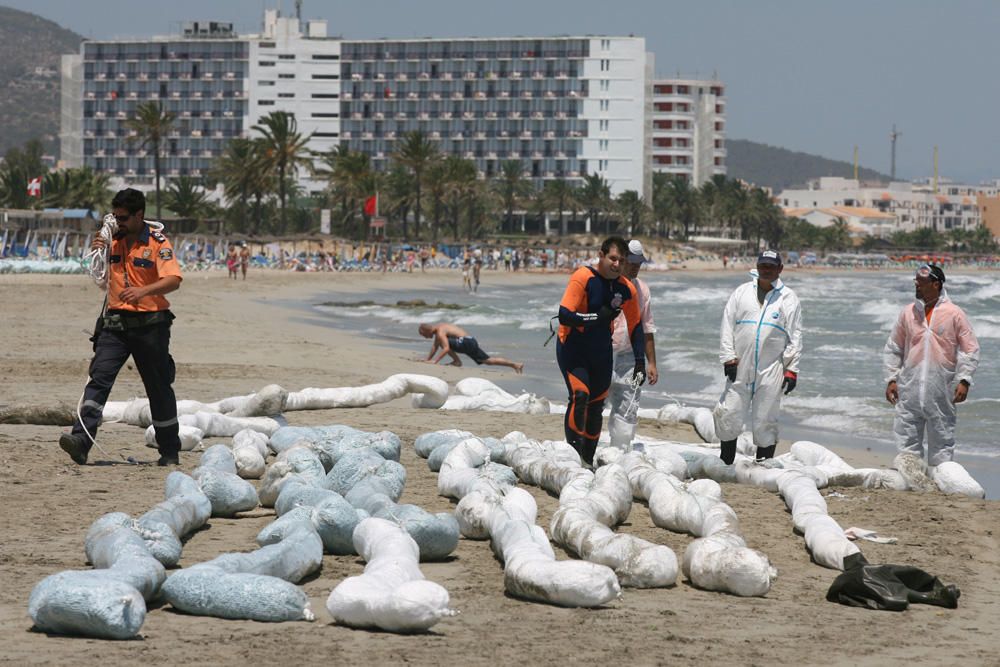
[(122, 218)]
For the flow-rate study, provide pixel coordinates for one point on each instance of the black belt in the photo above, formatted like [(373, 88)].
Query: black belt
[(120, 320)]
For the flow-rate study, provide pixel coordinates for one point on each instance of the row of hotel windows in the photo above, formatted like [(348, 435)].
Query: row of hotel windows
[(679, 159), (680, 107), (178, 50), (478, 49), (502, 70), (670, 89)]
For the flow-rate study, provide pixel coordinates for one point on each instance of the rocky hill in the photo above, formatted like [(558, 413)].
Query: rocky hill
[(780, 168), (30, 50)]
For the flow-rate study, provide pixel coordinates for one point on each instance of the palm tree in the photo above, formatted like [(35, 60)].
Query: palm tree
[(242, 173), (459, 174), (76, 188), (511, 186), (595, 195), (416, 153), (681, 204), (284, 150), (186, 198), (398, 198), (558, 195), (633, 211), (348, 174), (437, 179), (151, 125)]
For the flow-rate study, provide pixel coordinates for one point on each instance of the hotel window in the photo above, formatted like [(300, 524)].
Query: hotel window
[(605, 65), (605, 44), (604, 144), (604, 126), (602, 165), (605, 105), (266, 103), (286, 76), (605, 85)]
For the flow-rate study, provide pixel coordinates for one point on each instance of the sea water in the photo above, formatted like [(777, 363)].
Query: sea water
[(846, 319)]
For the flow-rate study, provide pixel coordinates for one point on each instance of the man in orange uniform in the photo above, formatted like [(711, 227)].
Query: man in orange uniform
[(142, 268), (592, 301)]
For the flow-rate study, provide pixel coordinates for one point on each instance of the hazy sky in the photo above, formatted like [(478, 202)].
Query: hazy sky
[(814, 76)]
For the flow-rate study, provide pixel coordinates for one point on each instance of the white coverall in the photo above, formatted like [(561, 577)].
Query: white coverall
[(621, 391), (767, 341), (927, 360)]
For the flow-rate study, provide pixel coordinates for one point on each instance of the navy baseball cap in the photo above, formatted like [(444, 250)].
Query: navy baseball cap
[(769, 257)]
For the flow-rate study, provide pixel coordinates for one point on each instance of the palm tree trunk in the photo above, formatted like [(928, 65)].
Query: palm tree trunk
[(281, 189), (156, 168)]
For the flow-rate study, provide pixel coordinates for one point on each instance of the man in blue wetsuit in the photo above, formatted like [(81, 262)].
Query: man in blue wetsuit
[(593, 299)]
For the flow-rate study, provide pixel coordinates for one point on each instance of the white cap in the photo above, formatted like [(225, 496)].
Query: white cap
[(635, 253)]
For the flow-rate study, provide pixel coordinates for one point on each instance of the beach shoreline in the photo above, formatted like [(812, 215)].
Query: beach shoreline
[(234, 337)]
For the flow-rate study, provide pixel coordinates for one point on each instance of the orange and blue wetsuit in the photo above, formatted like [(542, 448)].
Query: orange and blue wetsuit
[(586, 318)]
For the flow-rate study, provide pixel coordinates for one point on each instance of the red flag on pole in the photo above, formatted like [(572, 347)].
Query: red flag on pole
[(35, 187), (370, 205)]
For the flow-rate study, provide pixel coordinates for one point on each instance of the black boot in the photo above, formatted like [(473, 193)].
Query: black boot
[(766, 452), (728, 454), (588, 450)]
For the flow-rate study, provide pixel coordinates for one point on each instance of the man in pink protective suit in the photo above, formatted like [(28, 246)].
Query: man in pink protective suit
[(929, 361)]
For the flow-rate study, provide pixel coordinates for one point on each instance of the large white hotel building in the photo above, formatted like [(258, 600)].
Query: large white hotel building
[(565, 107)]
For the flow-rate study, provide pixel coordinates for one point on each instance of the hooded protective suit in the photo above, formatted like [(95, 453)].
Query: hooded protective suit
[(927, 359), (767, 340)]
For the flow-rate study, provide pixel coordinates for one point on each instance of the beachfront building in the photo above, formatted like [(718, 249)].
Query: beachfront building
[(565, 107), (913, 205), (687, 134)]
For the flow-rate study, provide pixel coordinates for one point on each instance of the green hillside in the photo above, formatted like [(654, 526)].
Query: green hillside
[(779, 168), (30, 50)]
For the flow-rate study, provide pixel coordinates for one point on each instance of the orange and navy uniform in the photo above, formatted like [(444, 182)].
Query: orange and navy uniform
[(140, 331), (149, 258), (587, 312)]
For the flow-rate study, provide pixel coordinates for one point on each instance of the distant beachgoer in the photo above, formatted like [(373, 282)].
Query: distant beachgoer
[(232, 260), (725, 261), (424, 256), (506, 259), (244, 260), (477, 268), (452, 340), (467, 271), (929, 360)]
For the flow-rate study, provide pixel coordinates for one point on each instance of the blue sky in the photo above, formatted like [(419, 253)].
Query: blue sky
[(820, 77)]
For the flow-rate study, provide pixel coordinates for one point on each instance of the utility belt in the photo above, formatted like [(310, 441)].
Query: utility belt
[(122, 320)]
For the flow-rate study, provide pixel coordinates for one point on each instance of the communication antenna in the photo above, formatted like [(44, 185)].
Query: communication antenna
[(892, 138), (298, 11), (935, 170)]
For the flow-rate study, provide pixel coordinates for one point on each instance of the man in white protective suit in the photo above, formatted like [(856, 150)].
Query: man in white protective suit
[(760, 351), (930, 358), (624, 393)]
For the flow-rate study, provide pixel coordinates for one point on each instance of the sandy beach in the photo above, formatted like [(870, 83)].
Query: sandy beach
[(234, 337)]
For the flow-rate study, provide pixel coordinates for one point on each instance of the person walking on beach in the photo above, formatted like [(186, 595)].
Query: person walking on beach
[(232, 260), (142, 268), (467, 271), (477, 268), (451, 340), (929, 360), (591, 303), (760, 348), (244, 260), (622, 388)]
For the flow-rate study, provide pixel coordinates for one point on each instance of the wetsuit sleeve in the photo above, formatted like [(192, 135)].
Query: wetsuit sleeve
[(892, 354), (633, 317), (968, 349), (793, 327), (573, 301), (727, 343)]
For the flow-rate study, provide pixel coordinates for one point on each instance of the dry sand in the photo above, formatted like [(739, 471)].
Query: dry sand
[(231, 338)]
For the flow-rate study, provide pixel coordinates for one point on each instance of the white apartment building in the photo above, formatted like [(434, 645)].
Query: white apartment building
[(914, 205), (687, 133), (565, 107)]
